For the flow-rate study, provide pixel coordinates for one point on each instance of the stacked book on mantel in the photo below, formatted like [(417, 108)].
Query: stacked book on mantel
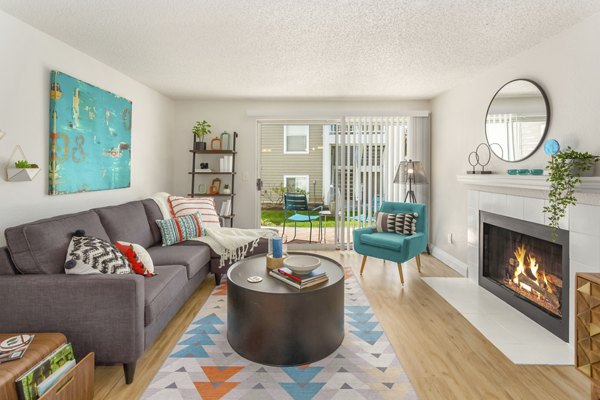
[(300, 281)]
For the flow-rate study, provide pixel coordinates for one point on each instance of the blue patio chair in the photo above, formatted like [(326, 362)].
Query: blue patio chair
[(376, 203), (294, 202), (393, 246)]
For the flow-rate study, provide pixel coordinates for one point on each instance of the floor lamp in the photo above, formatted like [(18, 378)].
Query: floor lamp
[(413, 173)]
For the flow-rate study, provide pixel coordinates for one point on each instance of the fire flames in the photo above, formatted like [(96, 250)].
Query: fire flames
[(530, 270)]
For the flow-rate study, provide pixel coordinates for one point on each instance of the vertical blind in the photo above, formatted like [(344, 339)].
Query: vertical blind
[(367, 153)]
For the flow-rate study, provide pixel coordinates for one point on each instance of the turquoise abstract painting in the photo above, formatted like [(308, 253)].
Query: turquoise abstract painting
[(90, 137)]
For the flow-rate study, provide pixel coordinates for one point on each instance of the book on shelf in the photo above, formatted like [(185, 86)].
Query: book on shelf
[(225, 208), (300, 281), (14, 347), (35, 382)]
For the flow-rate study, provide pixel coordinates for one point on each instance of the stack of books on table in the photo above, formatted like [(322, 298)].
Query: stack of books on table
[(300, 281)]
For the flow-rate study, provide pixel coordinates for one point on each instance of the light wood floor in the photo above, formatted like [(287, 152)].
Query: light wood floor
[(443, 354)]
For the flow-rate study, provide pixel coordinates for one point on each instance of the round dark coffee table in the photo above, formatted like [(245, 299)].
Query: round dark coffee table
[(273, 323)]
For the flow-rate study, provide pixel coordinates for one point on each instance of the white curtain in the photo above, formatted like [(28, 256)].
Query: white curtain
[(367, 153)]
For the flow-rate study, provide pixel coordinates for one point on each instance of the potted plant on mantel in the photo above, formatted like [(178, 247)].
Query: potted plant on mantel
[(566, 168), (201, 129)]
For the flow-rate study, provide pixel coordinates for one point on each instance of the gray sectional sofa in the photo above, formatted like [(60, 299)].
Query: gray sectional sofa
[(115, 316)]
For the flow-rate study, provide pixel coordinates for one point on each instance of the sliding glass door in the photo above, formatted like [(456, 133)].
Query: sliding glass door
[(343, 168)]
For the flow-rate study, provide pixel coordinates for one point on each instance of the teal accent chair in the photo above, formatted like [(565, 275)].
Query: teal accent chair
[(392, 246), (294, 202)]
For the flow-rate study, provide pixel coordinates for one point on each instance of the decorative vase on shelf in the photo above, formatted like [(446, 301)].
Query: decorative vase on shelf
[(226, 190)]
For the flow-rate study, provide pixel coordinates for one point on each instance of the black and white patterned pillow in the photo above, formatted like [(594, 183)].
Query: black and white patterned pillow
[(404, 224), (90, 255)]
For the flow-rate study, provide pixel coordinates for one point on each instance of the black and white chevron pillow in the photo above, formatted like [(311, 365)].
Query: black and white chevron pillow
[(404, 224), (90, 255)]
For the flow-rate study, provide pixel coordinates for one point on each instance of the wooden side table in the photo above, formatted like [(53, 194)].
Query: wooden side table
[(587, 328), (78, 383)]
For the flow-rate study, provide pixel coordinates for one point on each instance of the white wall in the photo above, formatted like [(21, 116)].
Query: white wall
[(27, 56), (242, 116), (566, 66)]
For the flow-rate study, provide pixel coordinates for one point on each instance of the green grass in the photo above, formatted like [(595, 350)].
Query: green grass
[(275, 218)]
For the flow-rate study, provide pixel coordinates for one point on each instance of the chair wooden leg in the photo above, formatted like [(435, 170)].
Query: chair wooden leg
[(401, 274), (362, 266), (418, 257)]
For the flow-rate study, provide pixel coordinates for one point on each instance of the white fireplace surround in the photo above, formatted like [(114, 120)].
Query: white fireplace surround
[(582, 222), (481, 307)]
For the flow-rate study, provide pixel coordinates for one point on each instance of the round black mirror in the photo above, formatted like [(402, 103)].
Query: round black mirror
[(517, 120)]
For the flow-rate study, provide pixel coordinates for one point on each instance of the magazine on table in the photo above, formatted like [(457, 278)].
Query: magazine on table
[(283, 275), (35, 382)]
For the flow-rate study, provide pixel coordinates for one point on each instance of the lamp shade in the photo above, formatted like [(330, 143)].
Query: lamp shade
[(410, 171)]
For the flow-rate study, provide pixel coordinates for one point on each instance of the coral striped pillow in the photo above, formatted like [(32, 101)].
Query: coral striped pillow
[(177, 230), (204, 205)]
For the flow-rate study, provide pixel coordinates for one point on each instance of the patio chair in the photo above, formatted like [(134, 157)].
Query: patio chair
[(376, 203), (294, 202), (393, 246)]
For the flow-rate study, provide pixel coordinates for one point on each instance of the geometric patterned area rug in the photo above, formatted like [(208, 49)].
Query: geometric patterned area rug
[(203, 365)]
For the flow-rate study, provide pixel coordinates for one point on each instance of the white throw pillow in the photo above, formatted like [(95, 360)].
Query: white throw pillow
[(142, 254), (90, 255), (181, 206)]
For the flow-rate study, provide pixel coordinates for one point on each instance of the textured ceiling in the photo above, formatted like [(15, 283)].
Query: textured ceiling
[(330, 49)]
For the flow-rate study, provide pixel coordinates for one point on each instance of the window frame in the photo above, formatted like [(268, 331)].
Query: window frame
[(286, 177), (287, 134)]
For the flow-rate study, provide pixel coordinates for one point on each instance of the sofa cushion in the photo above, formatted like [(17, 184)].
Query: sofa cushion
[(160, 290), (6, 264), (194, 258), (385, 240), (41, 247), (152, 214), (127, 222)]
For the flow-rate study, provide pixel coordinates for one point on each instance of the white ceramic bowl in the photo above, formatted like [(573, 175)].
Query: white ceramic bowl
[(301, 264)]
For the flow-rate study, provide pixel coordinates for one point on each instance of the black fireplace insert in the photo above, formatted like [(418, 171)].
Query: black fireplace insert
[(520, 263)]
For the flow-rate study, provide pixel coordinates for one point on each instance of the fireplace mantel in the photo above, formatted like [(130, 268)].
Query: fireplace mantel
[(531, 182)]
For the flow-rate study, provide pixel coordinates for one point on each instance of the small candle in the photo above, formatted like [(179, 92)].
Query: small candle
[(277, 247)]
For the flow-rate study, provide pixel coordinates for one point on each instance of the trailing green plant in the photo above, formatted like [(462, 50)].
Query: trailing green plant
[(565, 169), (201, 129), (24, 164)]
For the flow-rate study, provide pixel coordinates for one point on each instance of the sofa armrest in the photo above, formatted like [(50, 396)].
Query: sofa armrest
[(99, 313)]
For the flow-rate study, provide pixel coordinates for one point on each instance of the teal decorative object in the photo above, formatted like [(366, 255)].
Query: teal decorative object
[(522, 172), (225, 141), (551, 147), (90, 137), (512, 171), (537, 171)]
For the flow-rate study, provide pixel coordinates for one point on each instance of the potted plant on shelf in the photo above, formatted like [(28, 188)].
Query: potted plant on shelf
[(566, 168), (201, 129)]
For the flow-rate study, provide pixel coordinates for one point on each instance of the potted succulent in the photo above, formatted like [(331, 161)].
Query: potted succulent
[(200, 130), (566, 168), (22, 171)]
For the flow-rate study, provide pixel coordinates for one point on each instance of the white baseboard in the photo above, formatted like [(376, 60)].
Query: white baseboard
[(449, 260)]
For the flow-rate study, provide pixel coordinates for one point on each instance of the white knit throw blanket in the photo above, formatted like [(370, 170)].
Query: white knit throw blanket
[(231, 244)]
